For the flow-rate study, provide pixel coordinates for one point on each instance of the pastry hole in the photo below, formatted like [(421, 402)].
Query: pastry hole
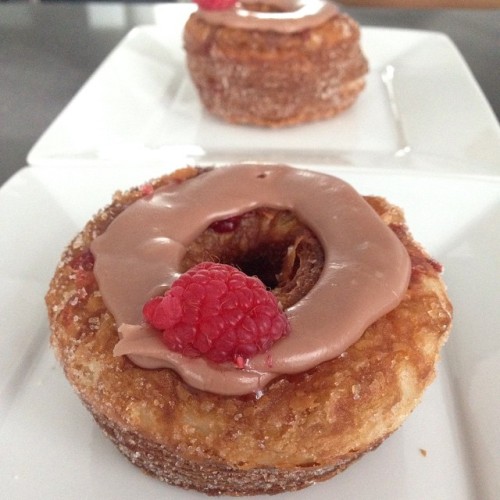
[(271, 244), (265, 262)]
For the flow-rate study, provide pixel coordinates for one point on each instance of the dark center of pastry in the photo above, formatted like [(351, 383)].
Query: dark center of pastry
[(271, 244)]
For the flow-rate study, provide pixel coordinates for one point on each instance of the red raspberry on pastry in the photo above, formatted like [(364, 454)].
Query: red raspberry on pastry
[(215, 4), (216, 311)]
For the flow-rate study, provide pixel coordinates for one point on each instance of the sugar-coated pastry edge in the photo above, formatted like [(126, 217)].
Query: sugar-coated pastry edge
[(302, 429)]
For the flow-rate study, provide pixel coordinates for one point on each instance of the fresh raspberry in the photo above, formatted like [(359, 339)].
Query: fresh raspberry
[(215, 4), (216, 311)]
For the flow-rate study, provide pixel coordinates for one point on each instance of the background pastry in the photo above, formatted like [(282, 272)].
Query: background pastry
[(275, 62)]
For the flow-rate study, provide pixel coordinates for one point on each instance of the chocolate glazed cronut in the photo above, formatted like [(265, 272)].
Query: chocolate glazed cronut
[(259, 74), (301, 428)]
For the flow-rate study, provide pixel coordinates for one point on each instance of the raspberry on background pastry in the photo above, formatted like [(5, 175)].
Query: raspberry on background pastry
[(366, 315), (274, 63)]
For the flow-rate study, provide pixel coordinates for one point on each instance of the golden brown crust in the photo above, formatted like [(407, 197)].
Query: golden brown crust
[(303, 429), (272, 79)]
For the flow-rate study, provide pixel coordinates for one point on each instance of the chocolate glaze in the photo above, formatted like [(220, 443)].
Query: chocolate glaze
[(365, 275), (294, 15)]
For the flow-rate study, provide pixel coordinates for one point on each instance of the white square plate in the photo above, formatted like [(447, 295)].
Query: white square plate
[(51, 448), (141, 105)]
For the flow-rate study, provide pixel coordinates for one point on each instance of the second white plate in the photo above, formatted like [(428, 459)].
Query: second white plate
[(140, 105)]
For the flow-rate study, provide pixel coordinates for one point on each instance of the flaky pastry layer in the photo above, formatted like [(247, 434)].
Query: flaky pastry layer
[(303, 429)]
